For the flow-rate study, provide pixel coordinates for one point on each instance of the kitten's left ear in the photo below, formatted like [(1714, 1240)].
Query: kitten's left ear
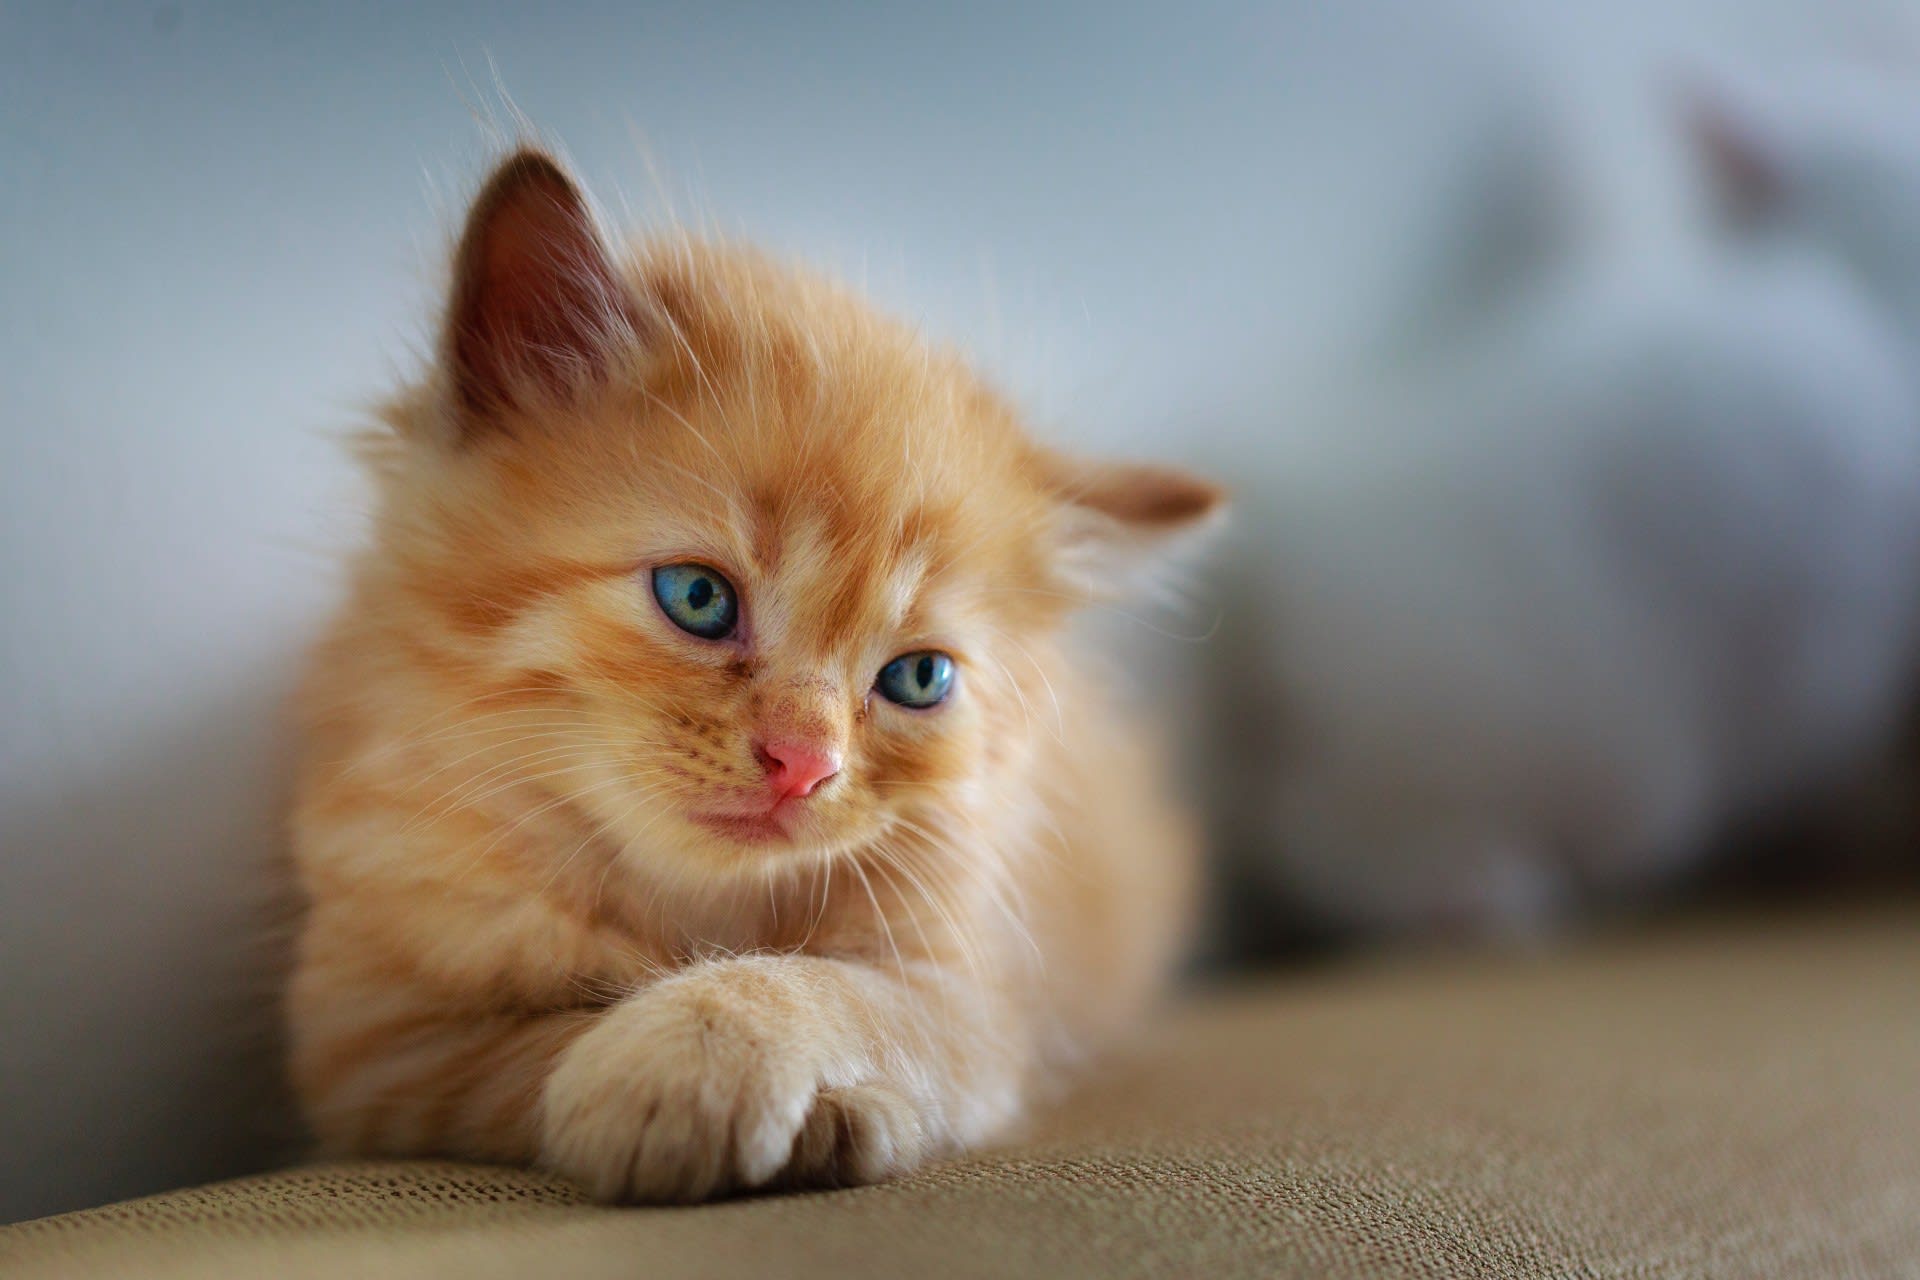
[(538, 304), (1115, 520)]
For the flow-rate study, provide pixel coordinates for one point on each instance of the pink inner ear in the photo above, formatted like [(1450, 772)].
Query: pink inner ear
[(536, 299)]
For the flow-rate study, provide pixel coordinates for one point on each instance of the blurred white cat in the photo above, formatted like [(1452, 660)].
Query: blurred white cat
[(1638, 557)]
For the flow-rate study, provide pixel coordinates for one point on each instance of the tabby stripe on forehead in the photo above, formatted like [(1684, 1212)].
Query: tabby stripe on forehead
[(851, 601)]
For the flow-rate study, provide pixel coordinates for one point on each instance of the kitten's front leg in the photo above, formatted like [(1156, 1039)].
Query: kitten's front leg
[(776, 1071)]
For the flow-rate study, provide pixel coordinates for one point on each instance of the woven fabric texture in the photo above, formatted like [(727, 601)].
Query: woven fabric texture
[(1740, 1099)]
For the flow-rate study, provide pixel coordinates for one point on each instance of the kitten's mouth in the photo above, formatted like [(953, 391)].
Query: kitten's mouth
[(765, 827)]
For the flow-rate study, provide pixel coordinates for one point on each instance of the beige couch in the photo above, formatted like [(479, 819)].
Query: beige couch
[(1738, 1098)]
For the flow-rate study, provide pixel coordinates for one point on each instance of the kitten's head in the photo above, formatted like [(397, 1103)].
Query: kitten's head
[(752, 571), (1832, 158)]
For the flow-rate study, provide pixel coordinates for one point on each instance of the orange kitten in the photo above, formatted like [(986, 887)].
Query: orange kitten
[(698, 794)]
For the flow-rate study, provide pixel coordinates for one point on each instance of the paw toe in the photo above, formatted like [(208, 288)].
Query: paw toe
[(854, 1135)]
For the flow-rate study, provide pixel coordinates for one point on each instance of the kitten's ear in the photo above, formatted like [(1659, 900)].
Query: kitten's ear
[(1739, 149), (1114, 521), (537, 301)]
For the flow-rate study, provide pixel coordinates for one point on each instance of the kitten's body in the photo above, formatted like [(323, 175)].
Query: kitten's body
[(549, 920)]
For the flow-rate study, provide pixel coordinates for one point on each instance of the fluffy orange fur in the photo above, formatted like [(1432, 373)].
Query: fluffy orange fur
[(522, 942)]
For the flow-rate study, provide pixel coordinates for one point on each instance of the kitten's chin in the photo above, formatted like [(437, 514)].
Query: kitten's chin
[(704, 835), (783, 832), (748, 828)]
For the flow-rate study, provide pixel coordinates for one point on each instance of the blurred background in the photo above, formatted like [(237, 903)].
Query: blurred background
[(1247, 236)]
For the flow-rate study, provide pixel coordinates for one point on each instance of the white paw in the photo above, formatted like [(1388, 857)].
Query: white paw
[(703, 1085)]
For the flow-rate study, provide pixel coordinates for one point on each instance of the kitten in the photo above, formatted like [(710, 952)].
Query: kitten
[(1638, 559), (700, 794)]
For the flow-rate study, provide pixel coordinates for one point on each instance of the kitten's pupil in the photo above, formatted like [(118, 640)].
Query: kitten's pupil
[(924, 671), (700, 594)]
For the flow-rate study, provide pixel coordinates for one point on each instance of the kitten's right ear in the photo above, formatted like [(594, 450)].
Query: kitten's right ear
[(538, 304), (1113, 520)]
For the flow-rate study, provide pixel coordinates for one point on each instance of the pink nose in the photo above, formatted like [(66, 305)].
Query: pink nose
[(795, 769)]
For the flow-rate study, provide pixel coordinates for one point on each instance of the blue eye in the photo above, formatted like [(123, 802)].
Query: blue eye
[(920, 679), (697, 599)]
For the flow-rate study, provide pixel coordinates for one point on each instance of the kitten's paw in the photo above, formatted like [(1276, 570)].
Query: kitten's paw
[(717, 1082)]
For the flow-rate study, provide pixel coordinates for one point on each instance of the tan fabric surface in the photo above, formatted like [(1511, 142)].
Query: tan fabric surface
[(1729, 1100)]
